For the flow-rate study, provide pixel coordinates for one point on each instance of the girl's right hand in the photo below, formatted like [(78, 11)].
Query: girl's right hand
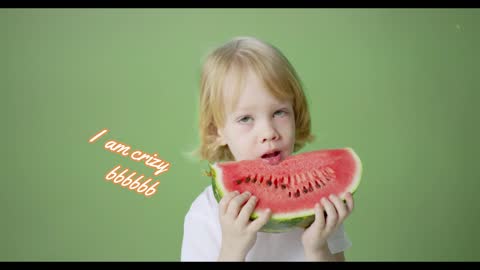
[(238, 232)]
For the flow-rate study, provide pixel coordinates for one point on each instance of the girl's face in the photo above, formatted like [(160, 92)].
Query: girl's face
[(260, 126)]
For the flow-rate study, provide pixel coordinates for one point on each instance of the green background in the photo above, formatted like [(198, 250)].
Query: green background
[(399, 86)]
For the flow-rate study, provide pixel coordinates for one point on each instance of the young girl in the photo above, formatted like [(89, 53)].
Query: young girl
[(252, 106)]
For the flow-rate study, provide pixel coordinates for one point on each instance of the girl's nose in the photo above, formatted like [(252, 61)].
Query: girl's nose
[(270, 138), (269, 134)]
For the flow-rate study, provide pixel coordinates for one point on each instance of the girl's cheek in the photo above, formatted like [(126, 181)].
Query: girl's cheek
[(285, 120), (242, 129), (286, 126)]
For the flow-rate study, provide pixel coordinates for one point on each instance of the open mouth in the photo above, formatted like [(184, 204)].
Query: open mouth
[(272, 158), (270, 155)]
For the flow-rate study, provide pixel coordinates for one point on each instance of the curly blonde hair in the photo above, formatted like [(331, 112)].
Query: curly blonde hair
[(236, 57)]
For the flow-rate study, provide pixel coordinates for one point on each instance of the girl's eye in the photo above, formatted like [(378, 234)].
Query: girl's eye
[(280, 113), (245, 119)]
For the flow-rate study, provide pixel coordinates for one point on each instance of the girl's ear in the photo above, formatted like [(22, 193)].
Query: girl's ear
[(218, 133), (221, 137)]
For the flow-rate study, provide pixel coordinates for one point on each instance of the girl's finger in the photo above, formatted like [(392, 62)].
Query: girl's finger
[(262, 219), (236, 203), (225, 200), (319, 216), (340, 207), (349, 199), (332, 215), (247, 210)]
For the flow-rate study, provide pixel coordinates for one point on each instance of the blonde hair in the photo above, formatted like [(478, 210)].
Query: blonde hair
[(238, 56)]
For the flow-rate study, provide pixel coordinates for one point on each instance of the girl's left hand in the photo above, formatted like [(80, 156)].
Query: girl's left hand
[(314, 238)]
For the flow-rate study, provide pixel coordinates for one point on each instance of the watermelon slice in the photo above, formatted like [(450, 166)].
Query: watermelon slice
[(292, 187)]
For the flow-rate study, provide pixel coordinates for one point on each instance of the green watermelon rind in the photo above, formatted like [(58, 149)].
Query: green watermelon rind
[(285, 222)]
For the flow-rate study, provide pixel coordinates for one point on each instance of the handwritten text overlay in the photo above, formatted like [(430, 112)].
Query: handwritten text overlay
[(132, 181)]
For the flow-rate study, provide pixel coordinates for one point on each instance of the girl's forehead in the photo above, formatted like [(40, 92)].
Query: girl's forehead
[(252, 101), (243, 89)]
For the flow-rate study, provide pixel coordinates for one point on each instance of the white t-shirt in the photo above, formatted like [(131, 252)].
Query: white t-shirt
[(202, 236)]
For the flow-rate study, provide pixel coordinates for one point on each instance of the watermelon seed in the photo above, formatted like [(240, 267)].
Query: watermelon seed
[(296, 179), (289, 194), (305, 190), (310, 187), (279, 179), (297, 193), (269, 182), (238, 181), (260, 179), (321, 178), (318, 172), (283, 186), (329, 173), (247, 180), (317, 184)]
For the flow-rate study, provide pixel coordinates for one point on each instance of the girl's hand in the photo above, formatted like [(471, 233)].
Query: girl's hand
[(238, 232), (314, 239)]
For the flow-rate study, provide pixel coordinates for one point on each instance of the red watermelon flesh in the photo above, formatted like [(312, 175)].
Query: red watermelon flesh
[(292, 187)]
